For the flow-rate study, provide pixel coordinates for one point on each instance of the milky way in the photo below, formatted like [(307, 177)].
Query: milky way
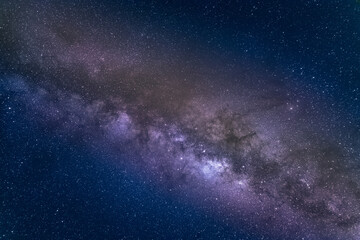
[(234, 138)]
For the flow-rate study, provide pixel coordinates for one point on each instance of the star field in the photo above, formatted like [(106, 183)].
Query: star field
[(169, 120)]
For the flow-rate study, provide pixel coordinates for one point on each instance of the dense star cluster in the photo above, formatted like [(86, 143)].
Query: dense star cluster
[(124, 120)]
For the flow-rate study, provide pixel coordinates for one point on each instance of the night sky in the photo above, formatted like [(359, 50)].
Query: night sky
[(179, 119)]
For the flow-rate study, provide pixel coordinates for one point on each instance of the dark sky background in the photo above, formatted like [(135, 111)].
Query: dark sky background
[(179, 119)]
